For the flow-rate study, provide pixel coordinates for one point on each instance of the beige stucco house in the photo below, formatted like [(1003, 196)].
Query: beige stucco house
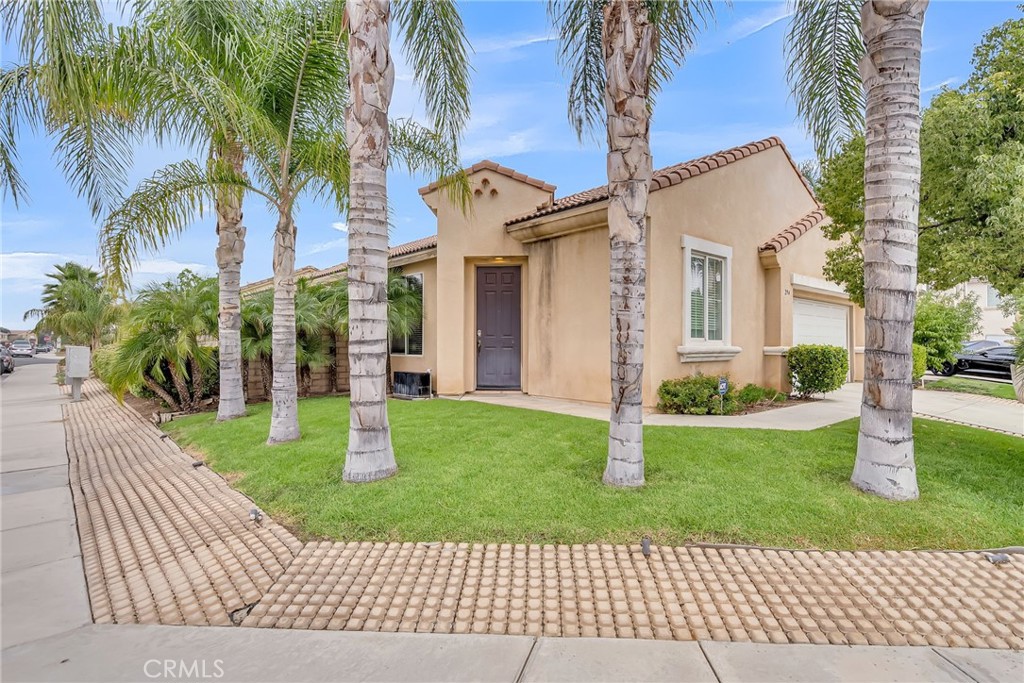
[(516, 290)]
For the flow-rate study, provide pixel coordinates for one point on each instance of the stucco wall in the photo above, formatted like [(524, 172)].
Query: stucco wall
[(465, 241), (740, 206)]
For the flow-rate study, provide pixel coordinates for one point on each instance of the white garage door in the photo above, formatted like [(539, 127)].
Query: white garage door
[(818, 323)]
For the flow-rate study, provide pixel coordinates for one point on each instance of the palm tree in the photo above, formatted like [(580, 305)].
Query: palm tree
[(166, 76), (835, 53), (617, 53), (287, 116), (163, 341), (434, 40), (77, 306)]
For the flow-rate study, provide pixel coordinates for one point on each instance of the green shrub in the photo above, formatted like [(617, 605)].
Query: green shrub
[(695, 395), (753, 394), (817, 368), (942, 323), (920, 362)]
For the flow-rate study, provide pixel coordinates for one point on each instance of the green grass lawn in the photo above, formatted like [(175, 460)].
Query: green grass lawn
[(973, 386), (484, 473)]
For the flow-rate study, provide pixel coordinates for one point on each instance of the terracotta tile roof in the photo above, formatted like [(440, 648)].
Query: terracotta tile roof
[(669, 176), (488, 165), (794, 232), (405, 249), (303, 272)]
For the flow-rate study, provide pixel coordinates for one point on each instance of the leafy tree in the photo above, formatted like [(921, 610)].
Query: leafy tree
[(942, 323), (165, 342), (972, 182), (436, 45), (76, 306), (617, 54)]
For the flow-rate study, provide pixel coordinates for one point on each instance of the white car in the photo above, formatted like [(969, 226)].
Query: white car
[(23, 347)]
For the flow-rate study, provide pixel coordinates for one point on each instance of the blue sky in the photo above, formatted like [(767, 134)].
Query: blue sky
[(731, 91)]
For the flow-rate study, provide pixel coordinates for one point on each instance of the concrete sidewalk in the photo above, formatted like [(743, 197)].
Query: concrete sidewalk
[(139, 653), (41, 572), (977, 411)]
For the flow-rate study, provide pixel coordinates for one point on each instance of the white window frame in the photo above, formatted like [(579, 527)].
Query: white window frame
[(702, 350), (423, 316)]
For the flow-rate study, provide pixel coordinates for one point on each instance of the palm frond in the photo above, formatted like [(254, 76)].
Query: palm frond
[(677, 23), (435, 42), (579, 24), (823, 50), (421, 150), (161, 207)]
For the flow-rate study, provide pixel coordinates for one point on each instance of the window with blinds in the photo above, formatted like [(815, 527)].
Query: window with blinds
[(411, 344), (707, 297)]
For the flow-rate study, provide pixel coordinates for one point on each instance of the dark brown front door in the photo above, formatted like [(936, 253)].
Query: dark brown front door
[(498, 328)]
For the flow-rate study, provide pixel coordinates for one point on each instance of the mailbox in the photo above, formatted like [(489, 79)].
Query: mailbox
[(76, 368)]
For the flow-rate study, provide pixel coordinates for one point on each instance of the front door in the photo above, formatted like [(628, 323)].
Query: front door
[(499, 327)]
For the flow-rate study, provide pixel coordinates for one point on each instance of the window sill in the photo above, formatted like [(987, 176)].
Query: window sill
[(705, 354)]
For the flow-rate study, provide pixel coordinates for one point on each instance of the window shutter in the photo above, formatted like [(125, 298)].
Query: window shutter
[(716, 286), (696, 297)]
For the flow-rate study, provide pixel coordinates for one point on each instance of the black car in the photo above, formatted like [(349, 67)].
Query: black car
[(970, 347), (6, 361), (994, 361)]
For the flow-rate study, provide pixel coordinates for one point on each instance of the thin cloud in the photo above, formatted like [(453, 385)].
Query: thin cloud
[(747, 27), (327, 246), (27, 224), (508, 44), (939, 86), (163, 266), (341, 226), (32, 266)]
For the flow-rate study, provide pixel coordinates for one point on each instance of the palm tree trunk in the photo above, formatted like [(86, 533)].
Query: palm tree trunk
[(181, 386), (284, 413), (266, 377), (155, 387), (628, 39), (891, 70), (370, 455), (197, 380), (230, 250)]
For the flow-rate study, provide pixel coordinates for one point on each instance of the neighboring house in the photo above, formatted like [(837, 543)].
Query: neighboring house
[(994, 323), (516, 290)]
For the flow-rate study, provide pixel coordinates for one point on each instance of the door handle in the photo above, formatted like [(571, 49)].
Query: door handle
[(479, 340)]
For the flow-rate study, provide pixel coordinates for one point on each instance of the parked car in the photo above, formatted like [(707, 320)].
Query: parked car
[(23, 347), (44, 348), (994, 361), (970, 347), (6, 361)]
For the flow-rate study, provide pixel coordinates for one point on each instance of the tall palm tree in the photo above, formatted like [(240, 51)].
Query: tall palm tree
[(77, 306), (166, 74), (835, 54), (287, 116), (435, 42), (617, 53)]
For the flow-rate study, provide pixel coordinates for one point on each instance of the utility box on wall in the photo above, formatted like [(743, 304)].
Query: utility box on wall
[(76, 368)]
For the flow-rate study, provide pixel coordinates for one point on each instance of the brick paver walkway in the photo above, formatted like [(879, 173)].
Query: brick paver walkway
[(166, 543), (162, 541)]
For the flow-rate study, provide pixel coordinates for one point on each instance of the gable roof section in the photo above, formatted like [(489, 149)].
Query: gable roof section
[(794, 232), (488, 165), (669, 176)]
